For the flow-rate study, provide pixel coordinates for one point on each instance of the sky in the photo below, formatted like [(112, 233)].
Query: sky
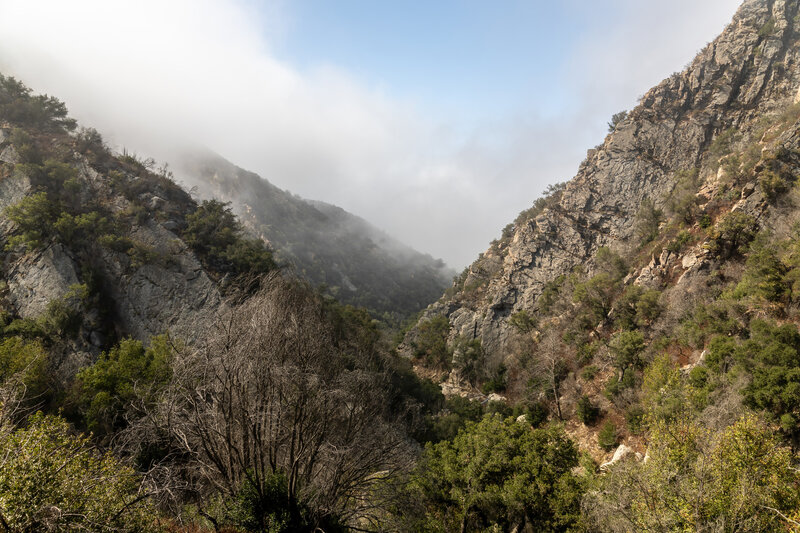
[(437, 121)]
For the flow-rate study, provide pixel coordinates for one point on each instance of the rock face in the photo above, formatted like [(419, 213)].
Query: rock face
[(169, 291), (752, 69)]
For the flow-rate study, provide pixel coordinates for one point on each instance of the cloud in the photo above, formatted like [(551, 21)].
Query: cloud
[(150, 74)]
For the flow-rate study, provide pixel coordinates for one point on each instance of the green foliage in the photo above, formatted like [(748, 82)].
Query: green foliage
[(469, 360), (264, 505), (680, 241), (703, 481), (647, 222), (550, 293), (34, 216), (24, 363), (522, 321), (216, 235), (595, 296), (550, 198), (498, 473), (637, 307), (52, 480), (616, 118), (722, 144), (764, 278), (607, 436), (682, 201), (497, 382), (627, 346), (586, 411), (706, 320), (19, 107), (431, 343), (634, 419), (772, 356), (589, 372), (122, 380), (732, 234)]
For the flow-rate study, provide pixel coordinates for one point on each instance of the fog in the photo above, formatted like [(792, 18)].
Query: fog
[(156, 77)]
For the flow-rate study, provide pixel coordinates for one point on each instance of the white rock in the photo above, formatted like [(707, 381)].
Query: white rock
[(620, 454)]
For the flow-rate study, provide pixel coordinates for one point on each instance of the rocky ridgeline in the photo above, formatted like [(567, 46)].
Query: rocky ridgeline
[(748, 72)]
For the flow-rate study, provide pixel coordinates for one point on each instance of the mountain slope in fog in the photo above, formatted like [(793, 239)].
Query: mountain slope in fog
[(358, 263)]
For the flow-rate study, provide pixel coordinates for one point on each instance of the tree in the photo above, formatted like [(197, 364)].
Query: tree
[(53, 480), (123, 380), (217, 236), (431, 342), (732, 234), (741, 479), (648, 220), (616, 119), (626, 347), (269, 395), (498, 472)]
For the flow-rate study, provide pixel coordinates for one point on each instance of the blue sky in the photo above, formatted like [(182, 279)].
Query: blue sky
[(438, 121), (466, 58)]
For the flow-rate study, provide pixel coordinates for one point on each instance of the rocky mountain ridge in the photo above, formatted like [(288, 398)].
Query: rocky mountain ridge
[(749, 72)]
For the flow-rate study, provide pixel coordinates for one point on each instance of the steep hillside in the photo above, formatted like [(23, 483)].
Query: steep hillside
[(97, 247), (358, 263), (747, 75)]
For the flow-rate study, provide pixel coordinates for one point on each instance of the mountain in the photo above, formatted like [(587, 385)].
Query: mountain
[(325, 244), (748, 75)]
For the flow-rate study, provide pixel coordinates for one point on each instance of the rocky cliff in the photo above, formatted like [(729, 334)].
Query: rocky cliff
[(749, 74), (112, 254)]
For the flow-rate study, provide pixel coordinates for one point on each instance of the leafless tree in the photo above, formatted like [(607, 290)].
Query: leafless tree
[(270, 393)]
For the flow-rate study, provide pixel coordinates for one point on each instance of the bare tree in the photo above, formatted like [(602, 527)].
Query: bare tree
[(270, 394)]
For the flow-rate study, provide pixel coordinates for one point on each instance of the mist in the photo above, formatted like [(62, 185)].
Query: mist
[(159, 77)]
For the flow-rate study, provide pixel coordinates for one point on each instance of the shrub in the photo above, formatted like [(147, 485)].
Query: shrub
[(216, 235), (589, 372), (732, 234), (127, 373), (607, 437), (648, 220), (616, 119), (53, 480), (626, 347), (431, 343), (586, 411)]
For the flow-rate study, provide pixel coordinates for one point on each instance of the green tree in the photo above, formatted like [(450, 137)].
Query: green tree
[(53, 480), (431, 342), (217, 236), (499, 473), (127, 376), (627, 346), (741, 479)]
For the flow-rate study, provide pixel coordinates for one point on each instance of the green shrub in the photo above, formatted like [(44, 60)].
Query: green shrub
[(607, 437), (586, 411), (53, 480), (431, 343), (21, 108), (732, 234), (627, 346), (496, 475), (648, 220), (216, 235), (589, 372), (129, 373), (677, 244)]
